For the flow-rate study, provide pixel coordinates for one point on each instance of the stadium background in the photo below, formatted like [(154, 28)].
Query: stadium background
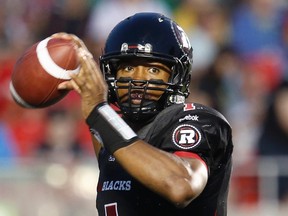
[(47, 164)]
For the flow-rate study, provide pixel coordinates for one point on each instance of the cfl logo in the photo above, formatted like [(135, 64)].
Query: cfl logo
[(186, 136)]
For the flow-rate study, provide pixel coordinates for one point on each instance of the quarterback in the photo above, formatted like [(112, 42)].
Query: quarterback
[(158, 154)]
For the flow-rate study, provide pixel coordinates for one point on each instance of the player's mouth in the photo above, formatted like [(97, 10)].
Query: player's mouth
[(137, 97)]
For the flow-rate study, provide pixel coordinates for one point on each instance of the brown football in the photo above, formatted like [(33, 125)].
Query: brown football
[(40, 69)]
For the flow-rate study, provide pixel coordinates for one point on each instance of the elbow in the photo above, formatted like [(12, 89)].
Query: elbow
[(181, 202), (182, 196), (184, 190)]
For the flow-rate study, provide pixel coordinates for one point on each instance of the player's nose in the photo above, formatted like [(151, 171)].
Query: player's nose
[(140, 75)]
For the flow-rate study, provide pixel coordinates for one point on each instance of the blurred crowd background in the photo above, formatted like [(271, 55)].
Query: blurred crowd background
[(47, 163)]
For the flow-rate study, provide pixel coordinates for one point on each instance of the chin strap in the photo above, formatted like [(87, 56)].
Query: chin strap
[(176, 99)]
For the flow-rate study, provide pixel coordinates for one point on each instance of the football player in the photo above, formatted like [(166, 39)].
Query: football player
[(158, 155)]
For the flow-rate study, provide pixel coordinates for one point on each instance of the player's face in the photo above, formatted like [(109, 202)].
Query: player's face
[(142, 71)]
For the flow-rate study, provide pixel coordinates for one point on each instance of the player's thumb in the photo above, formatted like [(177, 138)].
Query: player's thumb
[(66, 85)]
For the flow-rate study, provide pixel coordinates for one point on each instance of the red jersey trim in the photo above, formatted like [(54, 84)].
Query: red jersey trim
[(190, 155)]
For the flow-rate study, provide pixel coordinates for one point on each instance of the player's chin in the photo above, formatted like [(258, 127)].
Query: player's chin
[(136, 101)]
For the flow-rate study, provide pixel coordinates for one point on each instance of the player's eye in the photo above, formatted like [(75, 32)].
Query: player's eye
[(154, 70), (128, 68), (125, 67)]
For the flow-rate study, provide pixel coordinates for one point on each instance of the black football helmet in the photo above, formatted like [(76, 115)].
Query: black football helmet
[(157, 38)]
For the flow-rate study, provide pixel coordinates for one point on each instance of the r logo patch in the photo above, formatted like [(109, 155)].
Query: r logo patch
[(186, 136)]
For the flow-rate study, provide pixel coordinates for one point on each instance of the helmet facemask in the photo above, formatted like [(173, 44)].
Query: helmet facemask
[(139, 89), (173, 92)]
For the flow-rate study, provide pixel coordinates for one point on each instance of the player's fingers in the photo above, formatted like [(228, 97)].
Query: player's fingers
[(91, 68), (90, 79), (80, 43), (84, 53), (63, 35), (66, 85), (71, 37), (69, 85), (88, 65), (76, 86), (79, 79)]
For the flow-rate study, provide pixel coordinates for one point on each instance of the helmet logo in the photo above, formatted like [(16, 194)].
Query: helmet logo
[(182, 38), (147, 48)]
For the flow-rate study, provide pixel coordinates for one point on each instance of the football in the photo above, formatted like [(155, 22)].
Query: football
[(40, 69)]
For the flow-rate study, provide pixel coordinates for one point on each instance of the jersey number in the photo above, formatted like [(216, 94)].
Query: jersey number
[(189, 106), (111, 209)]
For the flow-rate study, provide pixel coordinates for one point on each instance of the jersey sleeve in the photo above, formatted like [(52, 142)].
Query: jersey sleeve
[(194, 129), (185, 154)]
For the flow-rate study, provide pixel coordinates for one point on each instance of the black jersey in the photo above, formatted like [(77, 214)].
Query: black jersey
[(190, 127)]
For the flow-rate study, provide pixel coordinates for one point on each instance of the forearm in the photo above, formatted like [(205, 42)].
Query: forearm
[(172, 177)]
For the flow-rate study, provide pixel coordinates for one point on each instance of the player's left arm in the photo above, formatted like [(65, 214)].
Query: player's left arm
[(180, 179)]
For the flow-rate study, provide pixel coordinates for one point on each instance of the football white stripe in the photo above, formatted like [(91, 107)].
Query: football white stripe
[(18, 98), (49, 65)]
